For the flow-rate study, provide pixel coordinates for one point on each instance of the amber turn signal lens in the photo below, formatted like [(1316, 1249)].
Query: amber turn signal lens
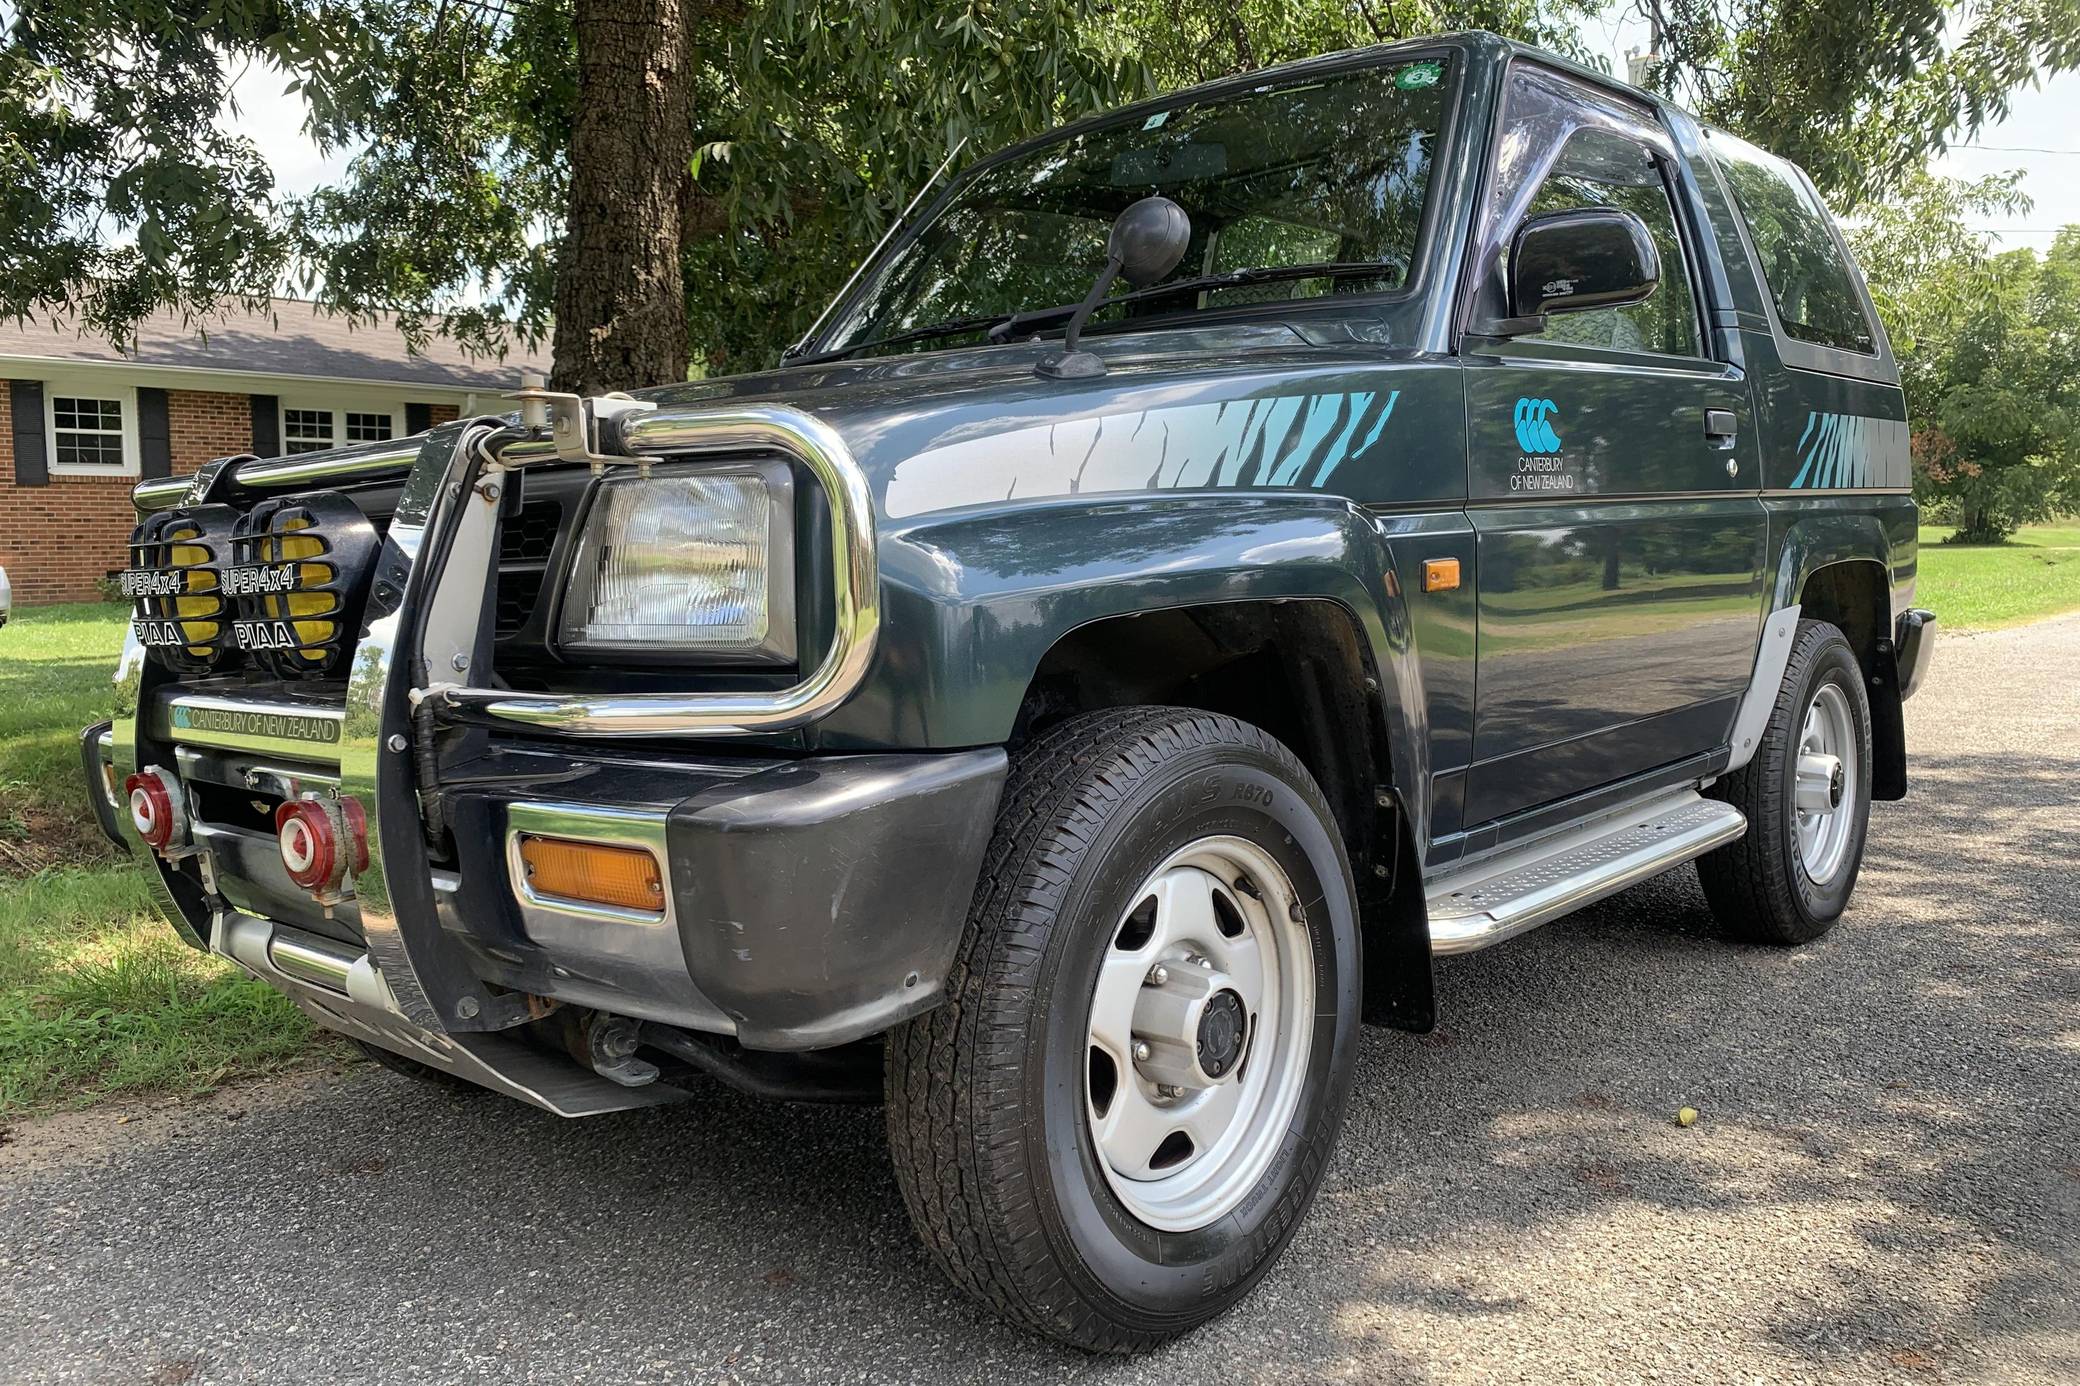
[(1440, 574), (592, 873)]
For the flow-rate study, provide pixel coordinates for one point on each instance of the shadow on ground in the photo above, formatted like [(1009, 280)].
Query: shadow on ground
[(1884, 1182)]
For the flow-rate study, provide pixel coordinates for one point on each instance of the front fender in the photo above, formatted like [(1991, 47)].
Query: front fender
[(973, 602)]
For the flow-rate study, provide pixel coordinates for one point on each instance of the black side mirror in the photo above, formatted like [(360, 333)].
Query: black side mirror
[(1147, 241), (1590, 257)]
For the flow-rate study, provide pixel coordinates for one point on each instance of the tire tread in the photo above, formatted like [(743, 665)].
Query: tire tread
[(964, 1178), (1748, 882)]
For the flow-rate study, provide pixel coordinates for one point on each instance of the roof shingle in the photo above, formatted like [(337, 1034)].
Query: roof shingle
[(298, 338)]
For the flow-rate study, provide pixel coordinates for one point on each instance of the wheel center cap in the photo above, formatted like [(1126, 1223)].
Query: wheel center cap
[(1223, 1025)]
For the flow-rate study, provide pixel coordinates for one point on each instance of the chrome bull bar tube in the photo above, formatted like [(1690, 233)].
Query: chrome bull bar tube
[(431, 983), (855, 577)]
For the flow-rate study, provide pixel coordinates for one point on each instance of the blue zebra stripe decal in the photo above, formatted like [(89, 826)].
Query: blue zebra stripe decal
[(1276, 441), (1839, 451)]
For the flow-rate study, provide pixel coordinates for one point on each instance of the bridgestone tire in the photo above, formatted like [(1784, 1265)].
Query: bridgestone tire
[(988, 1125), (1758, 886)]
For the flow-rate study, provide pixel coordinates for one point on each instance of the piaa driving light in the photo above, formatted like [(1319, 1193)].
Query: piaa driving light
[(693, 560)]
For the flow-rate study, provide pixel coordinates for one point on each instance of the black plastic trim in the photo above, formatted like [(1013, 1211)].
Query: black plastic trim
[(822, 900), (1915, 633)]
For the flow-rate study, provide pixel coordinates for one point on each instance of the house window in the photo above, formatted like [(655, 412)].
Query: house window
[(306, 430), (312, 429), (86, 432), (91, 428), (368, 428)]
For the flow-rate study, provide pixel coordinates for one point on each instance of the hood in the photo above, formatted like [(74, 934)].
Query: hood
[(1237, 405)]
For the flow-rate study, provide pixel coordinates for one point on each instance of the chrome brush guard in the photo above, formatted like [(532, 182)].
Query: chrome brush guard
[(415, 992)]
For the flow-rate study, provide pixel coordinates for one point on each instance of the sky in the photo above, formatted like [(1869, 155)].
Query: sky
[(2041, 136)]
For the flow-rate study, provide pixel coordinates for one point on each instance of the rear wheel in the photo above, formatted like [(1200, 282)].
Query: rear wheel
[(1807, 796), (1112, 1127)]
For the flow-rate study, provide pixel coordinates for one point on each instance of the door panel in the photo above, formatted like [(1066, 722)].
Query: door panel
[(1612, 480), (1621, 572)]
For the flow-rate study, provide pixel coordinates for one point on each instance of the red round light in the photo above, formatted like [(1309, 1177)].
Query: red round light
[(153, 811), (356, 824), (308, 844)]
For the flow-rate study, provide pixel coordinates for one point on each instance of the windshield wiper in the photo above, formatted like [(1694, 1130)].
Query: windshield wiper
[(949, 328), (1006, 328), (1002, 326)]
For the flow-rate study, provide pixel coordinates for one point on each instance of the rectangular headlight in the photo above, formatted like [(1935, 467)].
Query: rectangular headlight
[(698, 560)]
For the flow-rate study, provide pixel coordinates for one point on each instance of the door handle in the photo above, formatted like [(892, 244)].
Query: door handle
[(1720, 426)]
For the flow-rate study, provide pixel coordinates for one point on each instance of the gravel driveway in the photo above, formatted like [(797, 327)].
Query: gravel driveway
[(1884, 1183)]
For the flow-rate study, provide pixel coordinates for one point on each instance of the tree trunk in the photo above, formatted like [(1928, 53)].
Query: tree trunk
[(620, 301)]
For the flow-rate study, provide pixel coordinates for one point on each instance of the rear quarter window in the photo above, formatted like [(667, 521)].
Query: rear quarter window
[(1809, 278)]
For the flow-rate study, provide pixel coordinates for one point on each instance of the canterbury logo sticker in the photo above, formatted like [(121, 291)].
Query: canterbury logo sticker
[(1535, 425)]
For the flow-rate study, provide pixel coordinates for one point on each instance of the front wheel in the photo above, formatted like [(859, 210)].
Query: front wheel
[(1807, 796), (1113, 1126)]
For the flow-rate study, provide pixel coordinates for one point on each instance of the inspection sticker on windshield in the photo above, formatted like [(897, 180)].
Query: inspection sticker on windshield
[(1155, 122), (1417, 75)]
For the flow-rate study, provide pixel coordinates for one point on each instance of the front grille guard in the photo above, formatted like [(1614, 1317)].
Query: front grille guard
[(428, 596)]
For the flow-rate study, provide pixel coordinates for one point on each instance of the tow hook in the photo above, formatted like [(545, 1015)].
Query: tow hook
[(611, 1042)]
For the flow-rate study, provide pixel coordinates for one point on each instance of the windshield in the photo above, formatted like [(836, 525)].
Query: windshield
[(1330, 171)]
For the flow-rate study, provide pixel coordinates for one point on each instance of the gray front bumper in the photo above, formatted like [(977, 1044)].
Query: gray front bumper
[(811, 902)]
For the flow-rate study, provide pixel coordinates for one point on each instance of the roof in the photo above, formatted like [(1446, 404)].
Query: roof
[(296, 339)]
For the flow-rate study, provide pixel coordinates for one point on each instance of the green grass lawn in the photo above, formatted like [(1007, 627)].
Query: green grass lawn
[(55, 669), (1984, 586), (98, 996)]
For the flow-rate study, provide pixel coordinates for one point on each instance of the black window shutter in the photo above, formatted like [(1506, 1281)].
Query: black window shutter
[(267, 426), (31, 461), (154, 439), (417, 417)]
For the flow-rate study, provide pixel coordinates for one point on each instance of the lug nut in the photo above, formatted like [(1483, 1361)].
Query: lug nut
[(1165, 1090), (1141, 1050), (1158, 975)]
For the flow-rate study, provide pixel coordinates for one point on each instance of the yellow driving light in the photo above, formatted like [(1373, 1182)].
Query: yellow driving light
[(175, 585), (592, 873)]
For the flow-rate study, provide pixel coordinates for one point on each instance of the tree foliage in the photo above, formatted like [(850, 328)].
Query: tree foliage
[(119, 193), (1989, 352), (1859, 92), (815, 120)]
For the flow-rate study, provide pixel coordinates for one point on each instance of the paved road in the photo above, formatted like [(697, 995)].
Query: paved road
[(1884, 1184)]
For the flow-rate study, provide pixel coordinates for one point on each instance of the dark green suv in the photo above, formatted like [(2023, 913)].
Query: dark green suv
[(1213, 558)]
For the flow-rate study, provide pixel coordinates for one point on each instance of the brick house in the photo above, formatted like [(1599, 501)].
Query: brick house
[(80, 423)]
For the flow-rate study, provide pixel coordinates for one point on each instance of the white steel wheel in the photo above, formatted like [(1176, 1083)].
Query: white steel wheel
[(1201, 1020), (1113, 1126), (1828, 746), (1806, 795)]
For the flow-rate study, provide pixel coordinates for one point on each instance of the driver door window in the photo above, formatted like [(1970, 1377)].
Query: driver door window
[(1599, 168)]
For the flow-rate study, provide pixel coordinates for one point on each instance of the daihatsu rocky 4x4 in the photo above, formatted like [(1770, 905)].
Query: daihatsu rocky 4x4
[(1213, 559)]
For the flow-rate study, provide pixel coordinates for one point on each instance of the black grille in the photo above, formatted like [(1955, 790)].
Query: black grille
[(175, 584), (529, 536), (524, 548)]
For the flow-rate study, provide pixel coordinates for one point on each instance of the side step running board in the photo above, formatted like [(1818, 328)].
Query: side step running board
[(1501, 896)]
